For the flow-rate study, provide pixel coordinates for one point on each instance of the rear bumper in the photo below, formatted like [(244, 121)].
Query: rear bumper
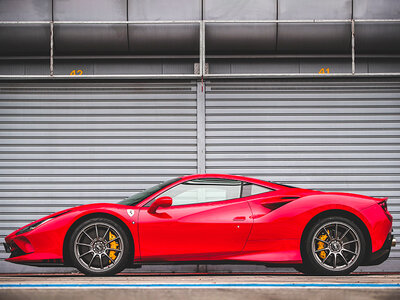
[(382, 254)]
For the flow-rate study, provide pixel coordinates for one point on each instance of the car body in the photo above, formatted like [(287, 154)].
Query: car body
[(211, 218)]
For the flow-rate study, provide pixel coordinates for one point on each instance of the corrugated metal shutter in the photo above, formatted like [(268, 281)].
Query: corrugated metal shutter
[(332, 135), (63, 145)]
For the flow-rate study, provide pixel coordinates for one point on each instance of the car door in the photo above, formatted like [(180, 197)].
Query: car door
[(207, 220)]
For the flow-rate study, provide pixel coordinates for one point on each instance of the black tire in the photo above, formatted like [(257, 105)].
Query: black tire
[(99, 247), (303, 269), (333, 246)]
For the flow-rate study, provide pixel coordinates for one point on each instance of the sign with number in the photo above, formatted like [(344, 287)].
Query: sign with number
[(76, 72), (324, 71)]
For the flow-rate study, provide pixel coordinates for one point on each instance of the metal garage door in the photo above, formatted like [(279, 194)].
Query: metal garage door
[(328, 135), (63, 145)]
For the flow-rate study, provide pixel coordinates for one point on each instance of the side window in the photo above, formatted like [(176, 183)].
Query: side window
[(250, 189), (204, 190)]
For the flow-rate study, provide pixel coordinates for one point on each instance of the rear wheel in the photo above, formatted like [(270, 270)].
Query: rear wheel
[(334, 246), (99, 247)]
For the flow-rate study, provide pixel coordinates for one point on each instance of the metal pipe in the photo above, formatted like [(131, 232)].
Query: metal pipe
[(100, 76), (51, 49), (203, 49), (200, 21), (305, 21), (353, 52), (216, 56), (273, 75), (177, 21), (130, 22), (201, 129), (376, 20), (278, 21), (23, 22), (193, 76)]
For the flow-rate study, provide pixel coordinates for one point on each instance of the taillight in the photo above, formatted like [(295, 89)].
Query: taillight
[(383, 204)]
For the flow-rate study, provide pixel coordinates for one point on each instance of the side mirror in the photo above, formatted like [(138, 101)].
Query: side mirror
[(160, 202)]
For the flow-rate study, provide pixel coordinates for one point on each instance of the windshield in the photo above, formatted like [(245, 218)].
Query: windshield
[(136, 198)]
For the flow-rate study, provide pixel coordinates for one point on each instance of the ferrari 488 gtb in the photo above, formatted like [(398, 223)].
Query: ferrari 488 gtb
[(212, 219)]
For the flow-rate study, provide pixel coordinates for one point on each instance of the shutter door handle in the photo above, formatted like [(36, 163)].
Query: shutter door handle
[(241, 218)]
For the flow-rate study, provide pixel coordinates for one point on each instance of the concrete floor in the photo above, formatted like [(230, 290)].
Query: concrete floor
[(194, 286)]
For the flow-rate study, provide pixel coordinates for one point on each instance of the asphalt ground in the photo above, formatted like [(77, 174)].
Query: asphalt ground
[(199, 286)]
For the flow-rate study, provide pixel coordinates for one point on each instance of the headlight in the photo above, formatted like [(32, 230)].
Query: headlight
[(33, 226), (37, 224)]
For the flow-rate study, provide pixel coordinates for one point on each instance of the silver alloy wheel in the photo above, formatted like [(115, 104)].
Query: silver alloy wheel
[(92, 247), (341, 246)]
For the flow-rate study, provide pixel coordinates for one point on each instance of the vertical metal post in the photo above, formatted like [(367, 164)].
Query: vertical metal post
[(201, 129), (51, 48), (353, 52), (202, 47)]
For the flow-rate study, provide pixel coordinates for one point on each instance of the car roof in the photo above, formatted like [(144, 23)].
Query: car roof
[(235, 177)]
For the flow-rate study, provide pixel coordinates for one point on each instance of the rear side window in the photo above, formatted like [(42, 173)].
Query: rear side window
[(251, 189)]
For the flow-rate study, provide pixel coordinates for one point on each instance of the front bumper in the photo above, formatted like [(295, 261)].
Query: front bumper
[(382, 254)]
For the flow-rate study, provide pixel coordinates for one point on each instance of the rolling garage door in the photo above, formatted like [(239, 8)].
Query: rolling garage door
[(328, 135), (63, 145)]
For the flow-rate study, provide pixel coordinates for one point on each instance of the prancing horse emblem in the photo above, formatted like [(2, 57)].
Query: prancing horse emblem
[(130, 212)]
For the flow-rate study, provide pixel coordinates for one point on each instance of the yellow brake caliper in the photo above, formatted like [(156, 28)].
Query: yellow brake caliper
[(113, 245), (321, 245)]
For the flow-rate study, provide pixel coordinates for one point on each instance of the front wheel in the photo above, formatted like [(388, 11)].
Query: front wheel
[(99, 247), (334, 246), (303, 269)]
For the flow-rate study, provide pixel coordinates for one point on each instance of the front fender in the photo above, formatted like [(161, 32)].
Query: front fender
[(47, 241), (118, 211)]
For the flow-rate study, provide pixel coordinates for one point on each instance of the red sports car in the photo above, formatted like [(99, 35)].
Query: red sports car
[(213, 219)]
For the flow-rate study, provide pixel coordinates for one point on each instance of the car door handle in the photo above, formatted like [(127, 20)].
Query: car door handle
[(236, 219)]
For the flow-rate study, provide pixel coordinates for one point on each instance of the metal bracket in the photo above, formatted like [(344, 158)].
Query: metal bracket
[(197, 69)]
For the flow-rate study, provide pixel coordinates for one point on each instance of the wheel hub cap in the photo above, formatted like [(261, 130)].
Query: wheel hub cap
[(335, 246), (98, 246)]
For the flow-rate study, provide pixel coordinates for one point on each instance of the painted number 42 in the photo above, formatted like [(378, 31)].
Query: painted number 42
[(324, 71), (76, 72)]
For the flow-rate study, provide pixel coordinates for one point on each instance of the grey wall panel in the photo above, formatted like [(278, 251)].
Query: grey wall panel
[(160, 10), (240, 38), (265, 66), (164, 38), (93, 39), (17, 39), (331, 135), (98, 66), (63, 145), (22, 66), (244, 38), (282, 65), (381, 37), (314, 38)]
